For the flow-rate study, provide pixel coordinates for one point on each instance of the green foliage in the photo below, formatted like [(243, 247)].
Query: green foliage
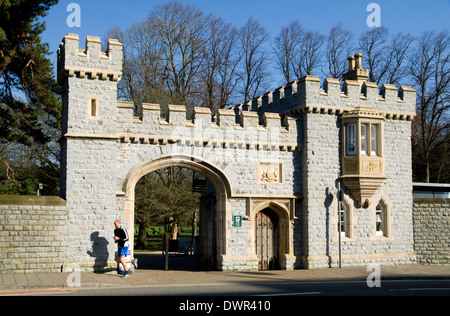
[(162, 195), (166, 193), (26, 187), (27, 97), (30, 111), (154, 238)]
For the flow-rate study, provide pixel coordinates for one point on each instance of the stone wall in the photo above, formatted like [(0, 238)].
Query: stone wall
[(34, 236), (432, 230), (91, 204), (32, 233)]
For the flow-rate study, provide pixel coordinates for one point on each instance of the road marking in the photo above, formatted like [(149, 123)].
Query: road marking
[(291, 294), (423, 289), (18, 293)]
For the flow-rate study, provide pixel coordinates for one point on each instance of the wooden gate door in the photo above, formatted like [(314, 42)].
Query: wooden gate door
[(267, 239)]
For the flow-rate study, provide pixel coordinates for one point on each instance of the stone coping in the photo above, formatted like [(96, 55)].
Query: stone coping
[(31, 200)]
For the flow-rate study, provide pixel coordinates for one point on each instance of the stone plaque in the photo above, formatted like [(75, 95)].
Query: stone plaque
[(124, 153), (269, 172)]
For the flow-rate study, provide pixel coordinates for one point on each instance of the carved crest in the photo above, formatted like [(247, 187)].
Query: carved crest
[(268, 172)]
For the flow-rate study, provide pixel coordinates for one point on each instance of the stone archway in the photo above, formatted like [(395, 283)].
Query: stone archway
[(216, 176)]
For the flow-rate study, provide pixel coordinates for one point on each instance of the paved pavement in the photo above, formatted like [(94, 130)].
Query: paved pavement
[(143, 277)]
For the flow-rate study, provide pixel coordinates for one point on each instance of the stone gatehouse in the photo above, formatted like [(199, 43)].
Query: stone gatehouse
[(275, 163)]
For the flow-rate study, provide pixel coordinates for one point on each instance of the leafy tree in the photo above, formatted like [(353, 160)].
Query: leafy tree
[(29, 108), (165, 193)]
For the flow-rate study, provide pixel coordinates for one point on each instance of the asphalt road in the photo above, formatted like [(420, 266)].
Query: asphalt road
[(279, 289)]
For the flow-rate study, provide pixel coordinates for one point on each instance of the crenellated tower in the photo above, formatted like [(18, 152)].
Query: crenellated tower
[(89, 77)]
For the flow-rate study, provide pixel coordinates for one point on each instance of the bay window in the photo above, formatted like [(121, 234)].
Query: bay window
[(368, 139), (362, 158)]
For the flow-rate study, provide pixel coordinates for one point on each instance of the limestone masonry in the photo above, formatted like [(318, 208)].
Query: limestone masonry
[(275, 163)]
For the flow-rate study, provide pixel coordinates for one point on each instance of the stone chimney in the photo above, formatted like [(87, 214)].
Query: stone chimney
[(355, 69)]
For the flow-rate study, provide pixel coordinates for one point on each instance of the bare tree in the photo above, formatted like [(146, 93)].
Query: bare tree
[(219, 73), (372, 45), (386, 57), (145, 65), (182, 31), (430, 70), (286, 46), (339, 47), (142, 65), (252, 38), (396, 68), (163, 56), (308, 57)]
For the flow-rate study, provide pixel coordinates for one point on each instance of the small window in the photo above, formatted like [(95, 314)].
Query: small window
[(93, 109), (363, 139), (351, 139), (380, 220), (373, 140)]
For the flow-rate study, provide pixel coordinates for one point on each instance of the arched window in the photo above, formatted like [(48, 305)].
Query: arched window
[(380, 220), (343, 215), (344, 219)]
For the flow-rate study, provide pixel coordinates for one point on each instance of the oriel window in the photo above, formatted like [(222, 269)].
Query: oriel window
[(365, 136)]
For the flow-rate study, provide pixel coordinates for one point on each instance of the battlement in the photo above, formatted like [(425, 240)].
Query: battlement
[(307, 95), (90, 62), (228, 129), (177, 116)]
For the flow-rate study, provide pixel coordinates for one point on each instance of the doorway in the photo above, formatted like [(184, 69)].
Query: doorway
[(267, 240)]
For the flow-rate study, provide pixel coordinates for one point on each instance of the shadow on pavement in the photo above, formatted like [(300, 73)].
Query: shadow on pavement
[(155, 261)]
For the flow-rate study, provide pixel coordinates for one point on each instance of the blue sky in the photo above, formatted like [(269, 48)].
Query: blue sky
[(407, 16)]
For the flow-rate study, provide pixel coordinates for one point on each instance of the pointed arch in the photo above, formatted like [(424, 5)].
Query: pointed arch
[(381, 210), (282, 210)]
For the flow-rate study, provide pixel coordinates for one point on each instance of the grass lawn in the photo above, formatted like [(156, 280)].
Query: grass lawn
[(155, 240)]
